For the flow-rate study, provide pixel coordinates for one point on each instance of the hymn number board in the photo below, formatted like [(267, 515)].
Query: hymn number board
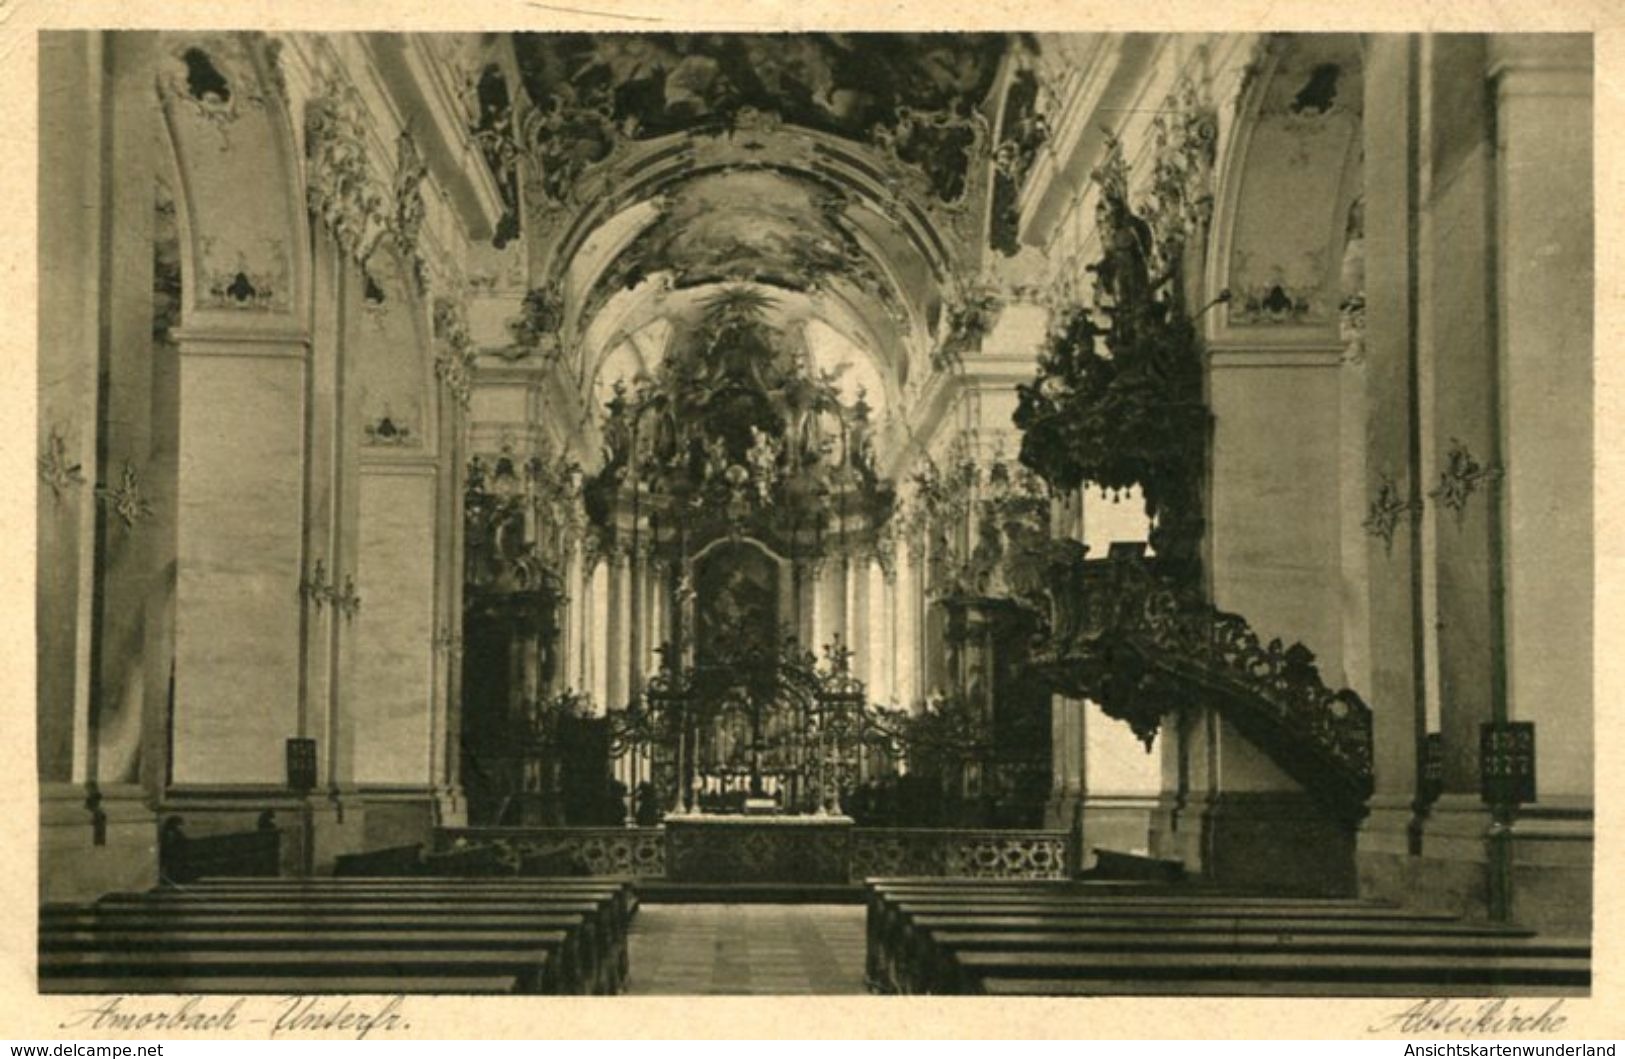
[(1506, 761)]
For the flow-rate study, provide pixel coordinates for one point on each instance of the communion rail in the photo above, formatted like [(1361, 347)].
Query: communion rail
[(641, 852)]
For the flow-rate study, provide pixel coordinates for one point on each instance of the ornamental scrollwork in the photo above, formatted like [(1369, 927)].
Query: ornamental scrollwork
[(320, 589), (343, 191), (346, 600), (57, 469), (1385, 512), (1140, 643), (408, 210), (214, 76), (536, 330), (1461, 477), (315, 587), (1185, 137), (127, 499), (1023, 131), (454, 361), (969, 311)]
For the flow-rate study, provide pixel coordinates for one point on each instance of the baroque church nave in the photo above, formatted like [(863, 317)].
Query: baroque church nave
[(750, 465)]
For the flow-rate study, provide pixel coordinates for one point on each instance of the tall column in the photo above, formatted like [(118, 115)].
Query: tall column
[(329, 540), (857, 634), (1390, 673), (453, 809), (135, 519), (103, 645), (881, 641), (1066, 761), (636, 614), (72, 91), (595, 638), (911, 605), (1463, 505), (1544, 207), (615, 631)]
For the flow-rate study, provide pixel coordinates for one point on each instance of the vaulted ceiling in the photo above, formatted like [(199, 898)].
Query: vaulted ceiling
[(846, 175)]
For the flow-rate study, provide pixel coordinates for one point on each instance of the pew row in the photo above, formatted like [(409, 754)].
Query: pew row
[(940, 936), (421, 935)]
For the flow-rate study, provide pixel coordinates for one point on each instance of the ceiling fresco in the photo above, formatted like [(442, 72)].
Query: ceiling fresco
[(849, 176), (643, 86)]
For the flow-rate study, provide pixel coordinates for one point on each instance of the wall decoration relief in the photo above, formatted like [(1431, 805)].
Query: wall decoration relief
[(214, 77), (1290, 293), (1351, 310), (1386, 511), (57, 469), (969, 311), (1461, 477), (389, 430), (409, 212), (536, 330), (315, 587), (251, 280), (454, 357), (1023, 132), (319, 589), (1185, 141), (342, 188), (1291, 207), (127, 500)]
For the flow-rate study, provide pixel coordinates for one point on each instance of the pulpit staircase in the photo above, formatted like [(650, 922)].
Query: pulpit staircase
[(1120, 633)]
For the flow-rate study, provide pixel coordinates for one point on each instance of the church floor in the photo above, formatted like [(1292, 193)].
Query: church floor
[(746, 949)]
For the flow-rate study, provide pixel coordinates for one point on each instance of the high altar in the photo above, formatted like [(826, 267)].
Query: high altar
[(738, 487)]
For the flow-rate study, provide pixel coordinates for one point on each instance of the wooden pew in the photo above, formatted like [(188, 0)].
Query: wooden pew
[(603, 934), (627, 895), (394, 862), (1354, 973), (157, 972), (289, 985), (569, 970), (606, 904), (183, 858), (129, 926), (954, 936), (933, 964), (1074, 987), (890, 916), (580, 923)]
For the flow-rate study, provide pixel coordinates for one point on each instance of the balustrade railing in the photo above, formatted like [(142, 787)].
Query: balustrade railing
[(1141, 645)]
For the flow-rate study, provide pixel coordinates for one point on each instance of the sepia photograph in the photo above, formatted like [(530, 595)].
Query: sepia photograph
[(825, 513)]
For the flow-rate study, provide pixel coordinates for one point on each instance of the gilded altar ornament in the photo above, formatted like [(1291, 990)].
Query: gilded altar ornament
[(1382, 517), (1461, 478), (56, 468), (127, 500)]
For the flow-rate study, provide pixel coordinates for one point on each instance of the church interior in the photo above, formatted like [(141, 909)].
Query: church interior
[(967, 512)]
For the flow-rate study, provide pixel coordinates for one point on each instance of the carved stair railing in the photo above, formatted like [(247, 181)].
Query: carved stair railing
[(1142, 645)]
